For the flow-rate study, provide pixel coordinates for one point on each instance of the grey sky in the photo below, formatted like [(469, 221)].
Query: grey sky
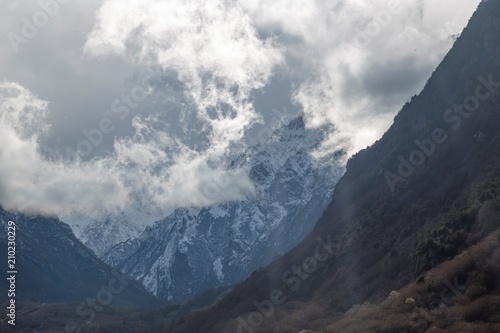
[(219, 69)]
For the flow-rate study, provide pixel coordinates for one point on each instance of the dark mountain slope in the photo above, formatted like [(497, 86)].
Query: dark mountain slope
[(389, 226), (53, 266)]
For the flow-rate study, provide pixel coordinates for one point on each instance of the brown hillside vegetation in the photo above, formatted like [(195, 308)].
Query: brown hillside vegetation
[(461, 295)]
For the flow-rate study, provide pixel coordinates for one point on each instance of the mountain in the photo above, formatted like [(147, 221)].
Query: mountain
[(196, 249), (410, 241), (105, 230), (54, 266)]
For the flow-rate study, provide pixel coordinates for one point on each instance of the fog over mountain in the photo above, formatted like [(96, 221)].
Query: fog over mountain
[(140, 106)]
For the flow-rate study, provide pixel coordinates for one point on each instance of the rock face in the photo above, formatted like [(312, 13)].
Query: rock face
[(196, 249), (105, 231), (54, 266)]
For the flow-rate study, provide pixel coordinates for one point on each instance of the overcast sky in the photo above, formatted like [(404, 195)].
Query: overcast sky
[(107, 105)]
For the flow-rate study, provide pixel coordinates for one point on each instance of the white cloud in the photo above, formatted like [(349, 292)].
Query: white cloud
[(211, 46), (218, 58), (29, 182), (360, 60), (218, 53), (139, 174)]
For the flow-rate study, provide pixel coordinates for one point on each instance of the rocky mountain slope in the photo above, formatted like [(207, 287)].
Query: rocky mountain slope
[(106, 230), (196, 249), (54, 266), (417, 212)]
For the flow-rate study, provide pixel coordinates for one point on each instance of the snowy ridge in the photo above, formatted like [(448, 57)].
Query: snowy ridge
[(196, 249)]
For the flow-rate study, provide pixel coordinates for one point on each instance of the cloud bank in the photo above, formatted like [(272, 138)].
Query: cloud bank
[(34, 184), (359, 61), (351, 64)]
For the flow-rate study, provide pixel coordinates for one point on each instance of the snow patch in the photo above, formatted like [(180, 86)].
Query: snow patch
[(218, 269), (216, 212)]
